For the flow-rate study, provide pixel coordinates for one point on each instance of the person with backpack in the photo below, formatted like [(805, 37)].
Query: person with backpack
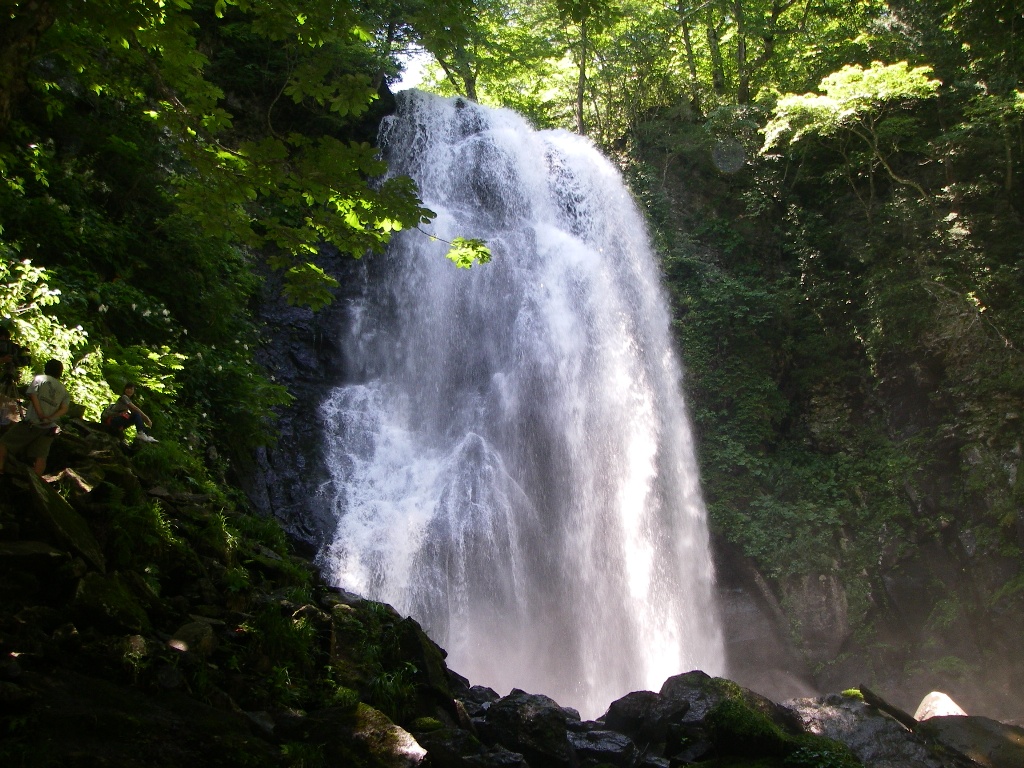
[(123, 413), (48, 401)]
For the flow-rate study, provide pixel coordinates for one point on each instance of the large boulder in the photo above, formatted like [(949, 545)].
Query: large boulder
[(603, 747), (876, 739), (532, 725), (360, 736), (64, 523), (448, 747), (645, 716), (703, 693), (937, 704), (987, 742)]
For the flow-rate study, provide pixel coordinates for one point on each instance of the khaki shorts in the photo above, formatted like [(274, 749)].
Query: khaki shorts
[(34, 442)]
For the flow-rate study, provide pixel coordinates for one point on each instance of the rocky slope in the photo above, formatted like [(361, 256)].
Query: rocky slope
[(147, 623)]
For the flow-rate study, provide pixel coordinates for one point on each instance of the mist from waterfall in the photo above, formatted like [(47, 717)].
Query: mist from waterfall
[(511, 457)]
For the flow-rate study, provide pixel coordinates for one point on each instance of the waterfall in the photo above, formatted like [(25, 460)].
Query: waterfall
[(512, 462)]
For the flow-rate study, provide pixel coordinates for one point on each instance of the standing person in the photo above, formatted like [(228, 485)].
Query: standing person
[(124, 413), (48, 401), (12, 357)]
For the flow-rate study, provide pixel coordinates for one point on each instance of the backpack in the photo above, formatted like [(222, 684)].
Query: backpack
[(112, 410)]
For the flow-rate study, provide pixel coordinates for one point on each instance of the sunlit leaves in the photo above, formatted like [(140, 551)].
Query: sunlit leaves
[(26, 301), (864, 103), (288, 189), (465, 252), (852, 97)]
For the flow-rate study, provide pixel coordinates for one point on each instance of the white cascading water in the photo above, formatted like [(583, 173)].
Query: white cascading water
[(512, 461)]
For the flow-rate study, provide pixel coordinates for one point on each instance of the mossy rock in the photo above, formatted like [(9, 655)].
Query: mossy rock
[(819, 752), (736, 729), (450, 747), (69, 527), (106, 602), (425, 725), (362, 738)]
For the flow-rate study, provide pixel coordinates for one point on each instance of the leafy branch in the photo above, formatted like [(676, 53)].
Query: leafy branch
[(463, 252)]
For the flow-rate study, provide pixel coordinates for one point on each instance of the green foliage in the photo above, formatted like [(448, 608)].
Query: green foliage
[(425, 725), (140, 531), (309, 285), (866, 103), (829, 323), (300, 754), (214, 137), (27, 301), (821, 753), (220, 537), (737, 729), (344, 698), (464, 253), (854, 99), (392, 691), (286, 639), (264, 530), (237, 579)]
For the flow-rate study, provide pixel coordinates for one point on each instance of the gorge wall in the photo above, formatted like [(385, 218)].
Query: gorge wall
[(933, 606)]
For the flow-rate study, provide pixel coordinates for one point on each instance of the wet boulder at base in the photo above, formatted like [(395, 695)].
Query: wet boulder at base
[(645, 716), (985, 741), (358, 736), (532, 725), (878, 741), (937, 704), (603, 747)]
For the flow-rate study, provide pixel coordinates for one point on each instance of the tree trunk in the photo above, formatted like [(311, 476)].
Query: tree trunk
[(742, 70), (691, 60), (581, 83), (717, 67)]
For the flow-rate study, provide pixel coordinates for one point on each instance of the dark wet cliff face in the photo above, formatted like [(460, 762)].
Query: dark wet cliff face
[(301, 350)]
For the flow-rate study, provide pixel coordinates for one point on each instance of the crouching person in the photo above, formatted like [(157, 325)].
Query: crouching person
[(124, 413), (48, 401)]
